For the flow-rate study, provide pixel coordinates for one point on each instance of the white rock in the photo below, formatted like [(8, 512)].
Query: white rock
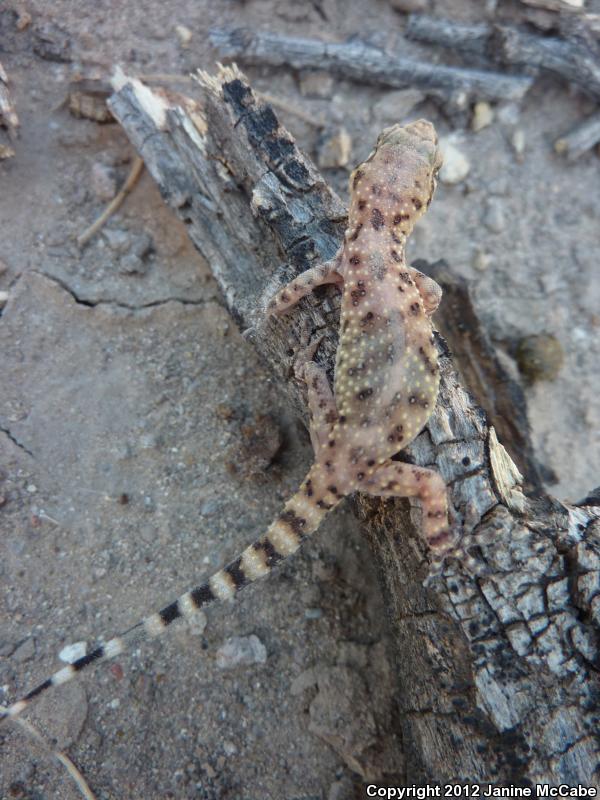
[(518, 141), (72, 652), (456, 165), (335, 149), (241, 650), (184, 35), (483, 115)]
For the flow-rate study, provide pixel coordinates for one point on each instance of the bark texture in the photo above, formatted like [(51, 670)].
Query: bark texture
[(498, 658)]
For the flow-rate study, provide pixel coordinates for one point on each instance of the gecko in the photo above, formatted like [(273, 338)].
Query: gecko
[(386, 384)]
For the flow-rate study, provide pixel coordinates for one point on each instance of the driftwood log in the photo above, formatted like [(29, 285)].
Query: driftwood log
[(498, 662), (576, 60), (357, 60)]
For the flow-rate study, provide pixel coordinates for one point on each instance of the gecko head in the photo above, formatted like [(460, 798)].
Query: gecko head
[(419, 136)]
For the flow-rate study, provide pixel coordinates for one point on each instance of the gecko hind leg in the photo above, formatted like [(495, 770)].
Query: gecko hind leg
[(321, 402), (304, 283), (397, 479)]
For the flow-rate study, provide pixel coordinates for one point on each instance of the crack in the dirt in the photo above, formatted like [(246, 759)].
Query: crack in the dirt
[(120, 304), (15, 441)]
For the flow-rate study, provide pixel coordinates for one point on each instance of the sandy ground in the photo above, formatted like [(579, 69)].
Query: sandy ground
[(142, 443)]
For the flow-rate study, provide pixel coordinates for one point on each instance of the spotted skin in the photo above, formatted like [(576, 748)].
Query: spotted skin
[(386, 372), (386, 383)]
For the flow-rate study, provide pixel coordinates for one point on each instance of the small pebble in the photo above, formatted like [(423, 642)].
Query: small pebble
[(241, 651), (184, 35), (31, 488), (131, 264), (316, 83), (518, 141), (72, 652), (493, 218), (3, 299), (103, 182), (540, 357), (481, 260), (229, 748), (483, 115), (313, 613), (456, 165), (334, 149), (117, 239)]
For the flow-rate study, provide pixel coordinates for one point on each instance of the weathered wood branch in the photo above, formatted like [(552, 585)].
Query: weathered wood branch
[(573, 61), (498, 665), (363, 62), (580, 139)]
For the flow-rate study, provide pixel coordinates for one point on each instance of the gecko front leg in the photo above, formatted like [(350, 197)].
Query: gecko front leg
[(430, 291), (304, 283)]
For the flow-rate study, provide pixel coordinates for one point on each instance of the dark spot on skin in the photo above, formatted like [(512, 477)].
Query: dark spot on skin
[(400, 288), (396, 238), (328, 464), (417, 203), (397, 258), (354, 236), (412, 399), (357, 176), (331, 417), (236, 573), (309, 490), (370, 462), (342, 420), (360, 476), (332, 489), (401, 218), (293, 522), (355, 302), (272, 556), (466, 461), (324, 505), (376, 190), (354, 260), (361, 205), (364, 393), (331, 443), (414, 309), (404, 276), (367, 318), (391, 486), (285, 297), (377, 219)]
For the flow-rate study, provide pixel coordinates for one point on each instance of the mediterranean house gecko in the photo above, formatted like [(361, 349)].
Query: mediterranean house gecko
[(385, 388)]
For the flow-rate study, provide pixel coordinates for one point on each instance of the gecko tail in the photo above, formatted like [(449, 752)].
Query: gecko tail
[(300, 518)]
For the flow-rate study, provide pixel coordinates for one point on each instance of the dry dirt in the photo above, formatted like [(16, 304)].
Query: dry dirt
[(142, 442)]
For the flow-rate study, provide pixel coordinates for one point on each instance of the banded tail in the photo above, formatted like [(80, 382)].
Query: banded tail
[(299, 519)]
